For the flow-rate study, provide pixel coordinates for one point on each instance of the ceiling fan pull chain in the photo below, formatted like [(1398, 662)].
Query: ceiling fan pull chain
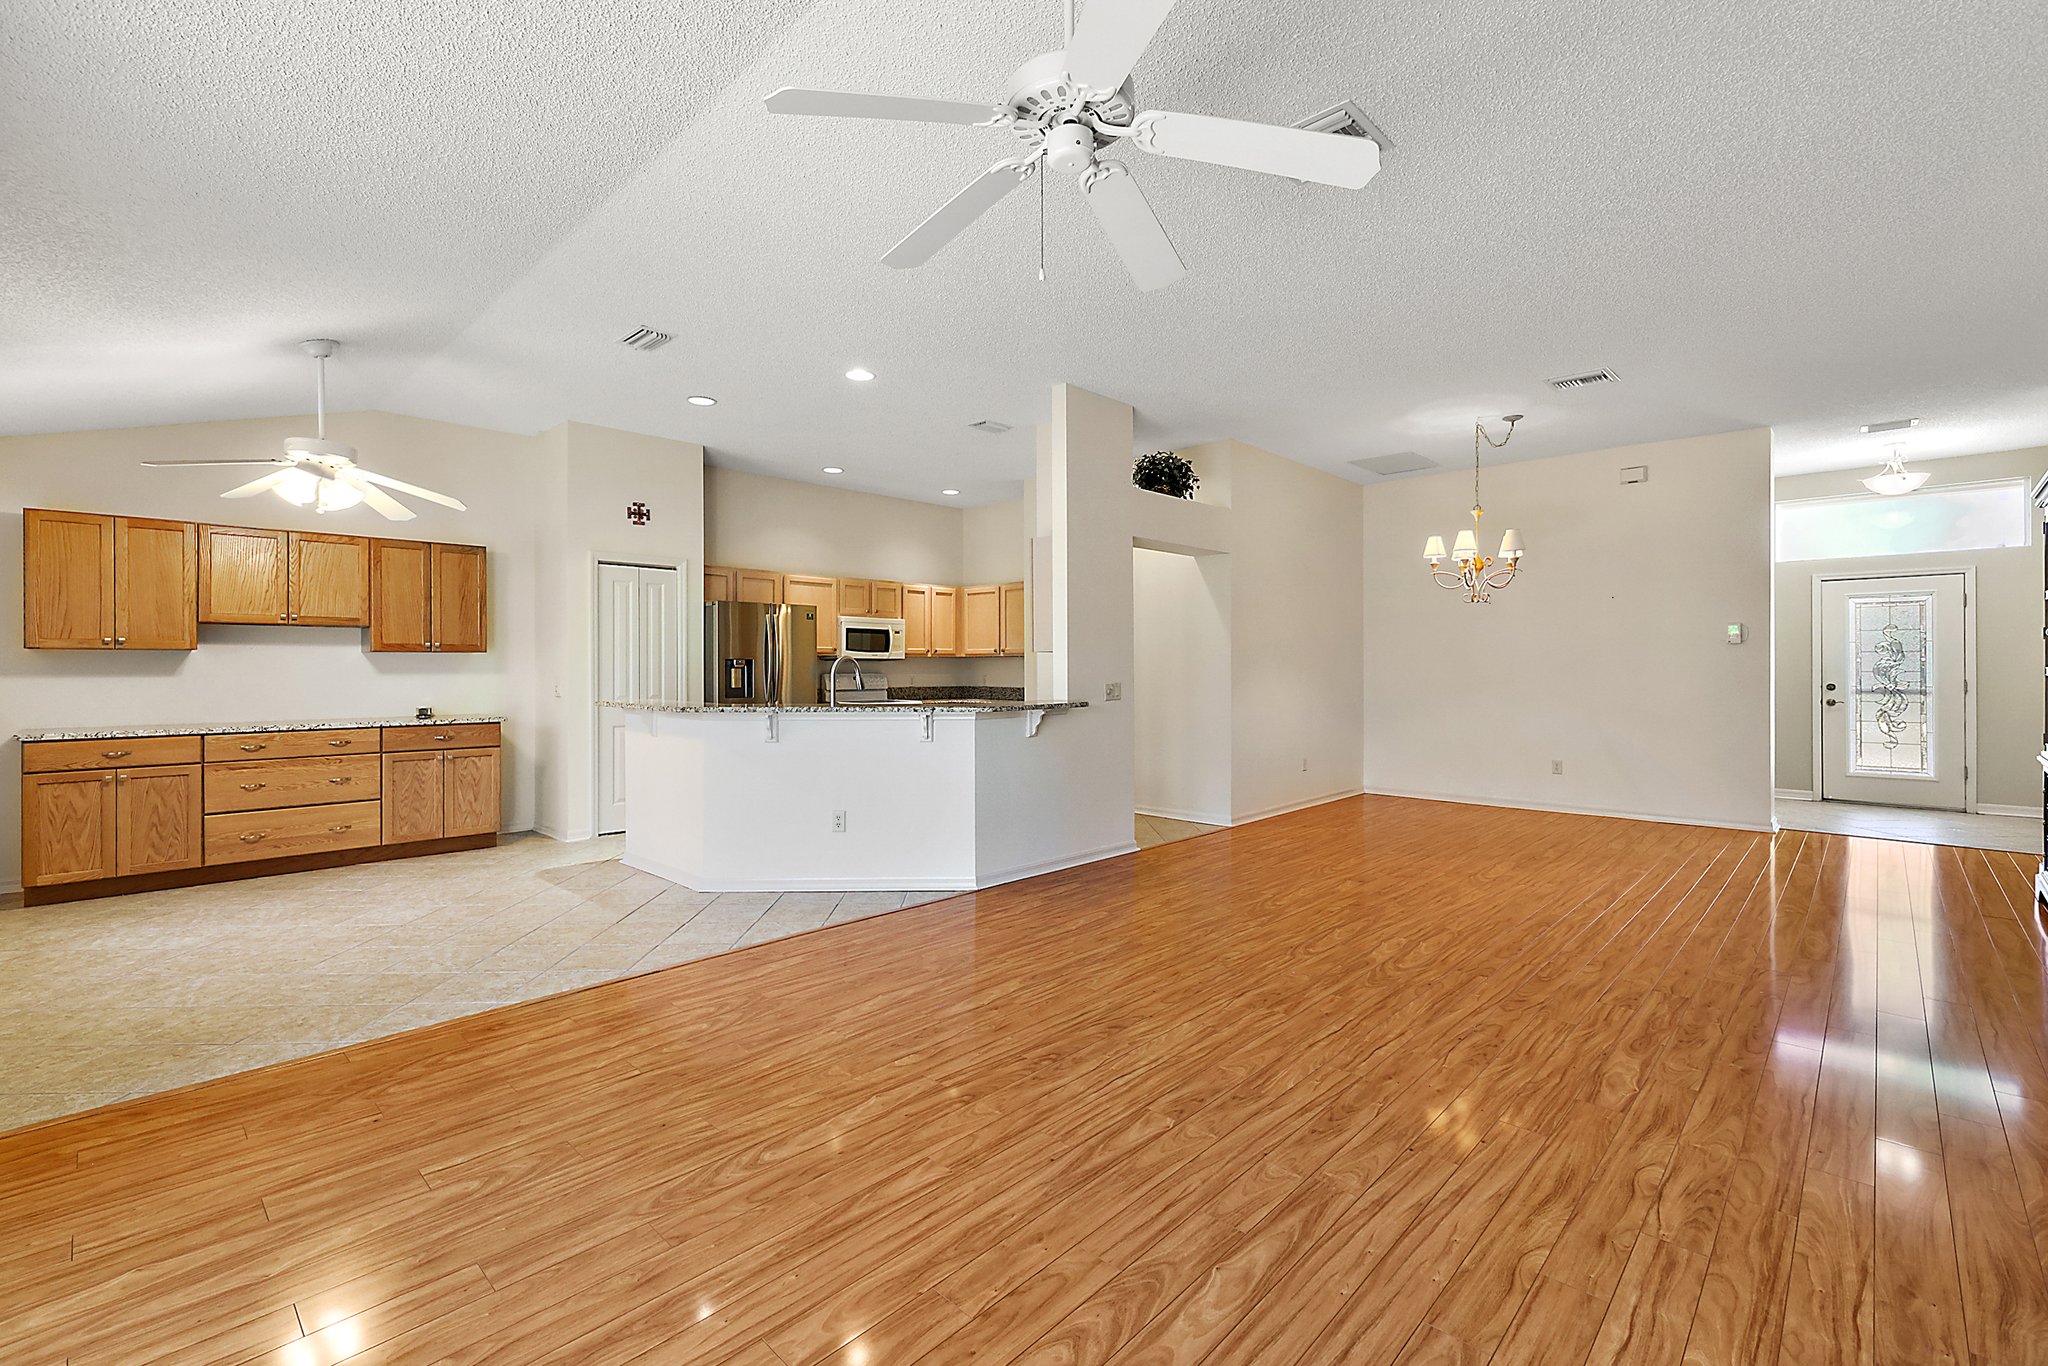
[(1041, 219)]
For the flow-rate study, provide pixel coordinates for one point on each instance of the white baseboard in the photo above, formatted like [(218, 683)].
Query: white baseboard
[(1794, 794), (1175, 814), (1024, 870), (698, 883), (1660, 817), (1995, 809), (1267, 812)]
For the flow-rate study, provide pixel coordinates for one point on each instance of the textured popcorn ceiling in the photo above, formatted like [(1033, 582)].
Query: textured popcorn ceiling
[(1808, 217)]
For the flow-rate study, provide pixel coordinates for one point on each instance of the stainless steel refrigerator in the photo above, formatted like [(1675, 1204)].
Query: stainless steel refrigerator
[(759, 654)]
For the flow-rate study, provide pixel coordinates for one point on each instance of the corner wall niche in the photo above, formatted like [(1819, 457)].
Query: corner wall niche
[(97, 581)]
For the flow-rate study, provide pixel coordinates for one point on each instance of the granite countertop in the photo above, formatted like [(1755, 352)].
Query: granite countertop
[(943, 708), (249, 728)]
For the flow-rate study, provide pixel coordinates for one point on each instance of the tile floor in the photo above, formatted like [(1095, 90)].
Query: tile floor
[(1154, 830), (100, 1000), (2019, 834)]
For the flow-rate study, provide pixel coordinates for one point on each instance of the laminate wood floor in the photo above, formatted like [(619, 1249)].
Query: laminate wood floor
[(1379, 1082)]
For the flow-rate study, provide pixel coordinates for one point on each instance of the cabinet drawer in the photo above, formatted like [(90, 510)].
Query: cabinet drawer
[(481, 735), (238, 836), (266, 783), (289, 744), (59, 756)]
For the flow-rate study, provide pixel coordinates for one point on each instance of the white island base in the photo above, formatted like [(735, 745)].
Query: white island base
[(744, 799)]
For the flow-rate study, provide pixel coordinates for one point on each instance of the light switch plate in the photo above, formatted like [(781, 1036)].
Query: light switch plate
[(1112, 692)]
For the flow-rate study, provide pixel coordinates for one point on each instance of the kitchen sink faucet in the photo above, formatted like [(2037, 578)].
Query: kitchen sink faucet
[(832, 679)]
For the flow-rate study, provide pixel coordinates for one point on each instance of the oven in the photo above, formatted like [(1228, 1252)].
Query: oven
[(871, 637)]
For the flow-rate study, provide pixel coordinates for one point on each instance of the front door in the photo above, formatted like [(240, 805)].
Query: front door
[(1891, 710), (639, 659)]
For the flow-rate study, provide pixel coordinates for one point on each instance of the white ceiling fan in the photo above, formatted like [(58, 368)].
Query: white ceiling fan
[(320, 473), (1068, 107)]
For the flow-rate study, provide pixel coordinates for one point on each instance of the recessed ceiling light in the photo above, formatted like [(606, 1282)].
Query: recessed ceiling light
[(702, 400), (834, 469), (860, 376), (950, 493)]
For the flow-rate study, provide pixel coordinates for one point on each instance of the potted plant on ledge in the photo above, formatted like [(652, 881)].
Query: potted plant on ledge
[(1167, 473)]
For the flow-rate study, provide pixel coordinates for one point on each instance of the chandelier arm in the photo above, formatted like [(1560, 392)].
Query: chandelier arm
[(1446, 579)]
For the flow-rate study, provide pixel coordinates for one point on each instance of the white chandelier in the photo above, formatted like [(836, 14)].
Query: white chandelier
[(1895, 478), (1477, 575)]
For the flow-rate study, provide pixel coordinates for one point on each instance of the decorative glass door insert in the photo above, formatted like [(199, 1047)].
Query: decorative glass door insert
[(1890, 640), (1890, 702)]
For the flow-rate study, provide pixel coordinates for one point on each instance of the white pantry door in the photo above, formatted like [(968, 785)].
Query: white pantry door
[(1892, 706), (639, 659)]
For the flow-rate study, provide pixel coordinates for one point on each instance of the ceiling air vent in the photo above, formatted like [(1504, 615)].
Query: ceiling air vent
[(990, 426), (1347, 120), (1401, 462), (646, 339), (1591, 377), (1895, 425)]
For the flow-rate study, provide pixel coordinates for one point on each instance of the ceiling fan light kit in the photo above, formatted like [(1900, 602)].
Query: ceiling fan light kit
[(321, 473), (1067, 107)]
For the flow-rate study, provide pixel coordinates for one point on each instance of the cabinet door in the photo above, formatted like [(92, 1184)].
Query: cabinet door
[(401, 595), (242, 575), (470, 777), (67, 827), (159, 818), (414, 796), (156, 584), (756, 585), (981, 620), (720, 584), (885, 599), (461, 616), (330, 580), (808, 590), (1013, 618), (945, 621), (856, 598), (67, 580), (917, 619)]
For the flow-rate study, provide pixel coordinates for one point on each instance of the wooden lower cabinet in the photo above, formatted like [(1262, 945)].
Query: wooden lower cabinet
[(414, 796), (241, 836), (67, 828), (469, 783), (157, 819)]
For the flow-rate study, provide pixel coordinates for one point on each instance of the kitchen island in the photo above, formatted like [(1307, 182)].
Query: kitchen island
[(880, 796)]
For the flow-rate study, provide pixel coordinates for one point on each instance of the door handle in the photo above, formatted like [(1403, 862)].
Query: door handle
[(1834, 701)]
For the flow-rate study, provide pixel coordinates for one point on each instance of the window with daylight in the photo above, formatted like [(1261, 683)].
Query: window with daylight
[(1990, 516)]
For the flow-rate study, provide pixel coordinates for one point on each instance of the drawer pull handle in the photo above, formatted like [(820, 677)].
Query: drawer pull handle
[(253, 836), (337, 829), (115, 753), (444, 737), (252, 787), (339, 781), (341, 744), (251, 749)]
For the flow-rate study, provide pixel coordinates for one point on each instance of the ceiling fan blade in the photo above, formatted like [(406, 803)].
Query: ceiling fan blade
[(376, 498), (848, 104), (954, 216), (414, 489), (1109, 39), (1131, 227), (254, 486), (1326, 158), (174, 464)]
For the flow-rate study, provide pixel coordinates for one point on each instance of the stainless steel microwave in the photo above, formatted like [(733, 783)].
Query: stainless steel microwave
[(871, 637)]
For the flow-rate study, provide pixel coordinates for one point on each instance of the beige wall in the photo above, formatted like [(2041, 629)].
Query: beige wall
[(1609, 653), (2008, 619)]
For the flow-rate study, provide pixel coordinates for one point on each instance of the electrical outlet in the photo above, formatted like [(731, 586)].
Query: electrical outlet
[(1112, 692), (838, 822), (1557, 766)]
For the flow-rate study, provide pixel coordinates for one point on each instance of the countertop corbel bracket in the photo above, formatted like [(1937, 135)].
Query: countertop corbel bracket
[(1031, 720)]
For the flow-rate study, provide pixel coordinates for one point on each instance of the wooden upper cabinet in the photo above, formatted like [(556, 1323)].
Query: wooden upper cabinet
[(756, 585), (67, 827), (156, 584), (981, 620), (856, 598), (1012, 596), (401, 595), (945, 621), (159, 818), (885, 599), (461, 612), (917, 619), (720, 583), (809, 590), (67, 572), (329, 580), (469, 780), (243, 573)]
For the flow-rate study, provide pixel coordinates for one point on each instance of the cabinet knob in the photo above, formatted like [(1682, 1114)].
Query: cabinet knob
[(295, 616), (252, 787), (106, 640), (253, 836), (250, 749), (339, 781), (115, 753), (108, 779), (282, 617), (120, 640)]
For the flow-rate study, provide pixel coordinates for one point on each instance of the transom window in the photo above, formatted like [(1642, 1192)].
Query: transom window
[(1988, 516)]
